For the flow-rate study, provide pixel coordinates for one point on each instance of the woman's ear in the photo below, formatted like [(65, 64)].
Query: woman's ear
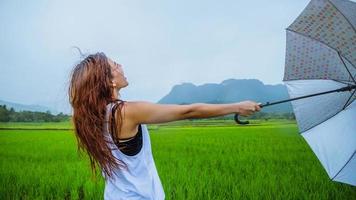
[(113, 84)]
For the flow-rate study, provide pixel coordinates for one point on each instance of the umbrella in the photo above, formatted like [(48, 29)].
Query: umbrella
[(320, 72)]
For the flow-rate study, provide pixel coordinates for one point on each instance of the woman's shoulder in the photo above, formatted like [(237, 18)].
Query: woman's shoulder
[(124, 116)]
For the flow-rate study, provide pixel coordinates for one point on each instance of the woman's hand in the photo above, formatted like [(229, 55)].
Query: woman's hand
[(246, 108)]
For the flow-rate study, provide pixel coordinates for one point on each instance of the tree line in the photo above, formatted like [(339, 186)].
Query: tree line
[(10, 115)]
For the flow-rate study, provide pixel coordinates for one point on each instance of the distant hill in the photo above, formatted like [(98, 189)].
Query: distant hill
[(228, 91), (22, 107)]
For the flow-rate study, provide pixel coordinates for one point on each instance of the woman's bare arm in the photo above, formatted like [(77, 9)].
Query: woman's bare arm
[(142, 112)]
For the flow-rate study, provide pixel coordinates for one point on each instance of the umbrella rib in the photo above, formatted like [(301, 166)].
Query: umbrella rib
[(347, 102), (342, 15), (307, 36), (344, 165), (347, 69)]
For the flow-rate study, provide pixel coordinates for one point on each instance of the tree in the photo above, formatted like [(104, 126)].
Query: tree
[(4, 114)]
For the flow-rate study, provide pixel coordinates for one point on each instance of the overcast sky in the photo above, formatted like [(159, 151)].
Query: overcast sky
[(160, 43)]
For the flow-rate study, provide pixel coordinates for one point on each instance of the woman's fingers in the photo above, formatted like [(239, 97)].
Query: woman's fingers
[(258, 108), (249, 108)]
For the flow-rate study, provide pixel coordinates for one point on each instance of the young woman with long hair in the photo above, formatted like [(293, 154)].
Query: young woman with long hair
[(113, 132)]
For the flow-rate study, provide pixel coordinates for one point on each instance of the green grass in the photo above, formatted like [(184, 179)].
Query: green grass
[(195, 160)]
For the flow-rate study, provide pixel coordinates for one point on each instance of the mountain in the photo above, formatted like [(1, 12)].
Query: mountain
[(229, 91), (22, 107)]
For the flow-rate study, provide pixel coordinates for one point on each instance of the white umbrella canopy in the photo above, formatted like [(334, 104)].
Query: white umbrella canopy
[(321, 56)]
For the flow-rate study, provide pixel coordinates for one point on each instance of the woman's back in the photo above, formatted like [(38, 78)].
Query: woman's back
[(140, 180)]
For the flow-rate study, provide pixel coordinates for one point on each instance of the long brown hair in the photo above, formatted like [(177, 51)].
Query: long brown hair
[(90, 90)]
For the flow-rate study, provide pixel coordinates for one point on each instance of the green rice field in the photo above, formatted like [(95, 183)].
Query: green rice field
[(196, 159)]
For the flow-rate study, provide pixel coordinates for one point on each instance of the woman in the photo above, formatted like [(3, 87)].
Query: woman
[(114, 133)]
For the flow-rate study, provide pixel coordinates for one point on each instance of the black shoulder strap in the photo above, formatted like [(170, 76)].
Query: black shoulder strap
[(113, 119)]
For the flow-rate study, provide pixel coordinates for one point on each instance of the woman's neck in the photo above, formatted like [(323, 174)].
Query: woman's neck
[(115, 94)]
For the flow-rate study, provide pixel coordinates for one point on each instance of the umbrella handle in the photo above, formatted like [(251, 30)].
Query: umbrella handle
[(236, 117), (237, 120)]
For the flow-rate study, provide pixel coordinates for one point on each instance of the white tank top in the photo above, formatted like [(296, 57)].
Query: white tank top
[(141, 180)]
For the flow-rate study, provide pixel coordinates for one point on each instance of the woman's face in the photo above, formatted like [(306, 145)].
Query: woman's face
[(118, 74)]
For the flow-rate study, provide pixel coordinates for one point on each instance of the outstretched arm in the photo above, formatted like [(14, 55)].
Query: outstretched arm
[(142, 112)]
